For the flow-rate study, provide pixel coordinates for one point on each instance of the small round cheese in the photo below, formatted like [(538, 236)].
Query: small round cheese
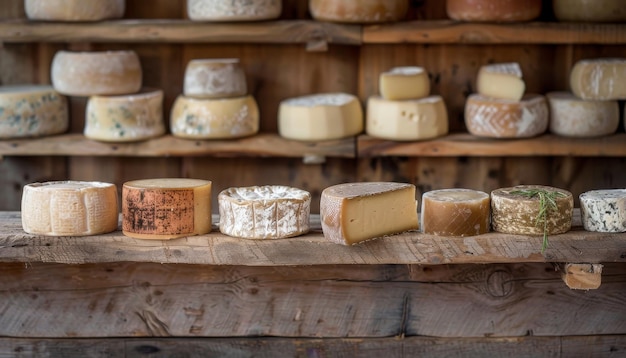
[(96, 73), (604, 210), (32, 111), (264, 212), (69, 208), (166, 208), (455, 212), (214, 78), (408, 82), (571, 116), (589, 10), (213, 118), (233, 10), (359, 11), (493, 10), (74, 10), (599, 79)]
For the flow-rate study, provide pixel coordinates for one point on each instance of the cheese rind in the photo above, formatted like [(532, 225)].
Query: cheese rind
[(604, 210), (74, 10), (493, 10), (166, 208), (96, 73), (214, 118), (500, 118), (599, 79), (400, 83), (32, 111), (418, 119), (264, 212), (358, 11), (69, 208), (354, 212), (233, 10), (589, 10), (320, 117), (125, 118), (214, 78), (455, 212), (571, 116), (501, 80)]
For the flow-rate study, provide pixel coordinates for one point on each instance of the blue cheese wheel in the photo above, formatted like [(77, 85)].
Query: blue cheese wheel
[(604, 210)]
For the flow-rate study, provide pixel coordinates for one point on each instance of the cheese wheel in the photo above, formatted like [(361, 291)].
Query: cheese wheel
[(264, 212), (417, 119), (125, 118), (69, 208), (493, 10), (501, 80), (214, 78), (359, 11), (599, 79), (96, 73), (604, 210), (213, 118), (455, 212), (571, 116), (589, 10), (320, 117), (32, 111), (354, 212), (514, 211), (233, 10), (501, 118), (74, 10), (166, 208), (409, 82)]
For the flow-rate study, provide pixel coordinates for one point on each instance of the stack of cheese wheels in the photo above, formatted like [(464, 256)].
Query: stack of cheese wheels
[(493, 10), (264, 212), (501, 109), (589, 11), (233, 10), (604, 210), (405, 110), (69, 208), (359, 11), (214, 103), (455, 212), (74, 10)]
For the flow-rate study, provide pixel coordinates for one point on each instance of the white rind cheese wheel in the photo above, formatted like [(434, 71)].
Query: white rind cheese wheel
[(166, 208), (69, 208), (513, 213), (74, 10), (501, 118), (493, 10), (571, 116), (359, 11), (214, 78), (125, 118), (417, 119), (455, 212), (401, 83), (233, 10), (32, 111), (501, 80), (213, 118), (599, 79), (320, 117), (96, 73), (589, 10), (354, 212), (264, 212), (604, 210)]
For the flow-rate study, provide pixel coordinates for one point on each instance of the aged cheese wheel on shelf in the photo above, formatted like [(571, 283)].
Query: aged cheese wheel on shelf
[(354, 212), (604, 210), (69, 208), (320, 117), (571, 116), (166, 208), (417, 119), (214, 78), (32, 111), (214, 118), (516, 210), (455, 212), (96, 73), (501, 118), (589, 10), (74, 10), (233, 10), (501, 80), (599, 79), (359, 11), (409, 82), (493, 10), (125, 118), (264, 212)]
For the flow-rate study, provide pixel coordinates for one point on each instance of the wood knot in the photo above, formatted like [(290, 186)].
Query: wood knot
[(500, 283)]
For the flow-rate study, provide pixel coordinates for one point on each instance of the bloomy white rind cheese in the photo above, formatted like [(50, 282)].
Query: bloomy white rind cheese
[(571, 116), (589, 10), (214, 78), (69, 208), (501, 80), (493, 10), (358, 11), (74, 10), (455, 212), (233, 10), (400, 83), (604, 210), (32, 111), (599, 79), (264, 212)]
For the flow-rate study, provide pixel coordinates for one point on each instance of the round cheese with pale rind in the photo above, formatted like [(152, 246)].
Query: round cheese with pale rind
[(74, 10), (214, 78), (604, 210), (233, 10), (359, 11), (571, 116), (599, 79)]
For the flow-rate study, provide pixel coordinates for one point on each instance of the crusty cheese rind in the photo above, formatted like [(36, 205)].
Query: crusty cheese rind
[(358, 11), (74, 10), (604, 210), (589, 11), (493, 10), (571, 116), (599, 79), (401, 83), (455, 212), (214, 78), (233, 10)]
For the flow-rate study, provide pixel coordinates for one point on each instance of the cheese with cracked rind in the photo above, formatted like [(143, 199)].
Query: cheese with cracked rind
[(604, 210), (589, 10), (264, 212), (493, 10), (571, 116), (455, 212), (233, 10), (69, 208), (408, 82), (214, 78), (359, 11), (74, 10), (501, 80), (599, 79)]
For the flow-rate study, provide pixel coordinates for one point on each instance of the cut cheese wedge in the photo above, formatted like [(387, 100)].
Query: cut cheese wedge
[(604, 210), (599, 79), (493, 10), (233, 10), (214, 78), (74, 10), (455, 212), (410, 82), (359, 11), (501, 80), (571, 116), (589, 10)]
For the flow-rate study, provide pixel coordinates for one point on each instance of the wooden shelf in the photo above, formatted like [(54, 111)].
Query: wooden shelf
[(260, 145), (463, 144), (311, 249)]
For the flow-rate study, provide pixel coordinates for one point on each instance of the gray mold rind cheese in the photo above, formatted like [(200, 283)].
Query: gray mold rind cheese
[(604, 210)]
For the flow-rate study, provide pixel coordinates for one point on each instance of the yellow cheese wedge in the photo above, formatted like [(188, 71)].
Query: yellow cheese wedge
[(455, 212), (74, 10), (599, 79), (399, 83), (501, 80), (233, 10), (571, 116), (214, 78)]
